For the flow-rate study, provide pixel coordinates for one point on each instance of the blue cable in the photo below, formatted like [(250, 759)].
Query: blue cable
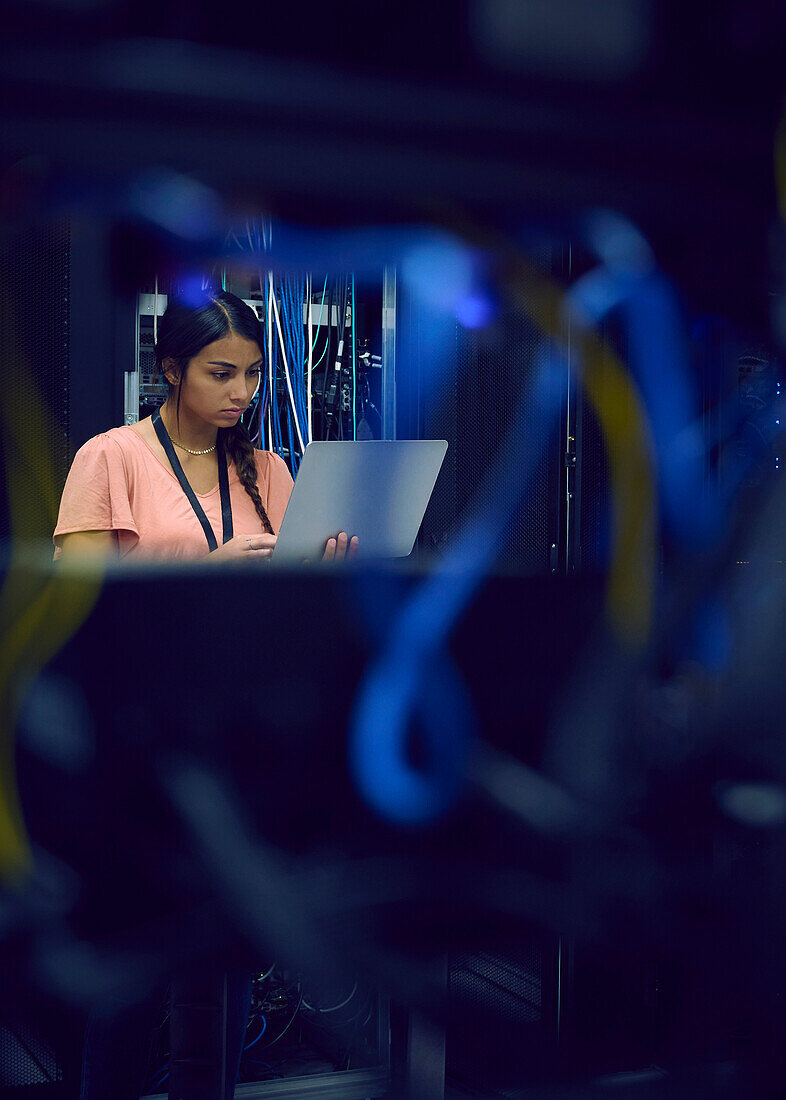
[(299, 294), (263, 390), (157, 1084), (275, 418), (277, 404), (322, 356), (267, 1065), (286, 335), (270, 373), (290, 296), (319, 321), (303, 379), (319, 326), (262, 1032), (287, 299), (301, 331), (262, 397), (275, 443), (416, 644), (354, 368), (295, 298), (291, 435)]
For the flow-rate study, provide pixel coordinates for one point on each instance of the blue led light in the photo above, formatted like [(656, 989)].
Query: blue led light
[(474, 311), (191, 291)]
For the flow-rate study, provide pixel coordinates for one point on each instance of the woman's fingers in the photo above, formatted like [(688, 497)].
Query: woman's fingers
[(340, 547), (337, 548), (257, 547), (259, 544)]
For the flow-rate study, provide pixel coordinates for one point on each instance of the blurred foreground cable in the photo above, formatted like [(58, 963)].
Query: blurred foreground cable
[(440, 269), (414, 674), (38, 611), (256, 884), (623, 419)]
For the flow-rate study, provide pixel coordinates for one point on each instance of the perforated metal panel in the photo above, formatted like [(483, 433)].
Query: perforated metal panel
[(492, 370), (595, 508), (500, 1015), (595, 494), (509, 984), (25, 1059)]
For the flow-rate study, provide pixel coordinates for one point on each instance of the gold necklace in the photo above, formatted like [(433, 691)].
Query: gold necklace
[(183, 448)]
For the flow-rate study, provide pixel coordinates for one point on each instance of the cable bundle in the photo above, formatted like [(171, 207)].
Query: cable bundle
[(308, 388)]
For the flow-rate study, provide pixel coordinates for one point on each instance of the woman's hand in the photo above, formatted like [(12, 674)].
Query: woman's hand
[(245, 548), (341, 547)]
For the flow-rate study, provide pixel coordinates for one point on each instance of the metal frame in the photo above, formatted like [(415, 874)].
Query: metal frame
[(366, 1083), (145, 306), (349, 1084), (389, 353)]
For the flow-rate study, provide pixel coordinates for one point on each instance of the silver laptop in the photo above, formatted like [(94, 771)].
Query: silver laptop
[(375, 489)]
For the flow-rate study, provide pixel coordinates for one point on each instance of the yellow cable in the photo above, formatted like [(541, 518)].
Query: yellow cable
[(620, 412), (39, 610), (780, 165)]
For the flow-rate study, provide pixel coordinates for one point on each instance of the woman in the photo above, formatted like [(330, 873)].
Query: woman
[(125, 493), (181, 484)]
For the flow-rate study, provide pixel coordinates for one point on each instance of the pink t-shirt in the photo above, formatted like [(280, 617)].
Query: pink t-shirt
[(118, 483)]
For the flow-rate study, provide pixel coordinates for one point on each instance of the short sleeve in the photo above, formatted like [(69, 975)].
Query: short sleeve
[(96, 496)]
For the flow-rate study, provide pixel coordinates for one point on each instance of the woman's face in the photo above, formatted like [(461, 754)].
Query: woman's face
[(220, 380)]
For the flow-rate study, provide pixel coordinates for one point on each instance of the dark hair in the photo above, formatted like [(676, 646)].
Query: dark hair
[(186, 328)]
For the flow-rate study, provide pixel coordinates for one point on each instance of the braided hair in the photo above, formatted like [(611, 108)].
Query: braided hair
[(241, 450), (187, 327)]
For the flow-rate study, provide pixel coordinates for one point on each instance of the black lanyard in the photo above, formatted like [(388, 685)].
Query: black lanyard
[(223, 484)]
